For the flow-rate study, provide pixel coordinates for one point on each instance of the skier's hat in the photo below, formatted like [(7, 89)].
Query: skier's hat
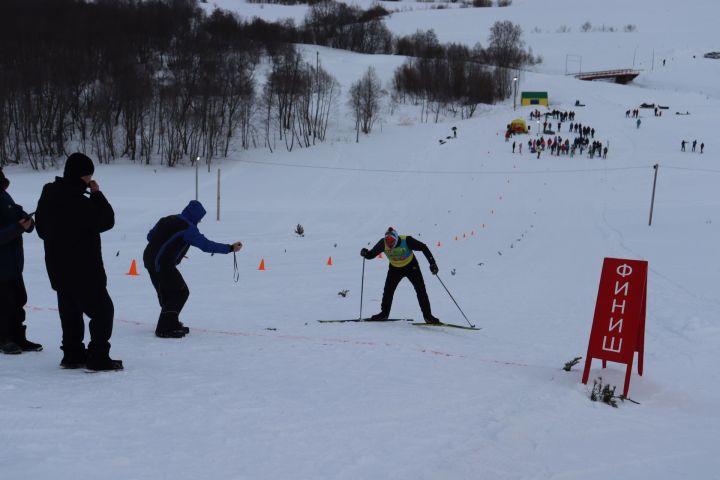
[(391, 238)]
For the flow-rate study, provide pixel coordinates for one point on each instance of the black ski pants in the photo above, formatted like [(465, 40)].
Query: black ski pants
[(412, 272), (172, 292), (13, 298), (95, 302)]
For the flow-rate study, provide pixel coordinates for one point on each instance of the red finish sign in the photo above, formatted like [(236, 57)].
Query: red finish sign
[(618, 329)]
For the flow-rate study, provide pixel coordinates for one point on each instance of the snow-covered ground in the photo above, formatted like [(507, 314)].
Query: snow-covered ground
[(260, 390)]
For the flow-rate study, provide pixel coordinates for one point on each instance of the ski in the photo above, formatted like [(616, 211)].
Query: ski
[(367, 320), (452, 325)]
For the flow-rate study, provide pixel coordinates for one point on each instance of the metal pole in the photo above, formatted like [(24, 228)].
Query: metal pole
[(362, 286), (453, 299), (515, 82), (218, 196), (197, 168), (656, 167)]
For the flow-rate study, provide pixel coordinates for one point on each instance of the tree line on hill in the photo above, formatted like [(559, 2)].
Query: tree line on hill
[(161, 79)]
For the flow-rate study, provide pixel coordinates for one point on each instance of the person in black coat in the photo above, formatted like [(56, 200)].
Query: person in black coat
[(399, 251), (14, 221), (168, 242), (71, 214)]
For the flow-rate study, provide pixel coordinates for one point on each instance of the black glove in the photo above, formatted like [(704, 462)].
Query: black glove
[(364, 252), (433, 268)]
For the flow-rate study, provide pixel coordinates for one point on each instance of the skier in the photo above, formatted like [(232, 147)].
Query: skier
[(70, 220), (13, 297), (694, 144), (168, 242), (399, 251), (682, 146), (513, 151), (637, 124), (702, 147)]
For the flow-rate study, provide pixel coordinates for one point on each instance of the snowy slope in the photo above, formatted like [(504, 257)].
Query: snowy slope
[(260, 390)]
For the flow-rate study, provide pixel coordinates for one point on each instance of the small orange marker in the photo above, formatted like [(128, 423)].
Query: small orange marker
[(262, 264), (329, 262), (133, 269)]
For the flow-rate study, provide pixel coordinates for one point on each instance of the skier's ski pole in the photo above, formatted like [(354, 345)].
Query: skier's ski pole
[(362, 285), (236, 272), (453, 299)]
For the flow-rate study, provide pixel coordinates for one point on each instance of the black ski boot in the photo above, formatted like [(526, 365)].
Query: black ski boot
[(431, 319), (25, 344), (379, 317)]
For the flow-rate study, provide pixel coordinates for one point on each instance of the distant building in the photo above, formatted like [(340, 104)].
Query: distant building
[(534, 98)]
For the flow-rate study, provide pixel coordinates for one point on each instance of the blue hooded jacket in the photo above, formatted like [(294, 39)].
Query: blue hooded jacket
[(172, 236)]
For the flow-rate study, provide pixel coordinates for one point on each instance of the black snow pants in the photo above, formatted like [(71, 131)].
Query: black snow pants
[(13, 298), (95, 302), (172, 292), (412, 272)]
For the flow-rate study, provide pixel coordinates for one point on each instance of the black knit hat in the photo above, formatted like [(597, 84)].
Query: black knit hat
[(4, 182), (78, 165)]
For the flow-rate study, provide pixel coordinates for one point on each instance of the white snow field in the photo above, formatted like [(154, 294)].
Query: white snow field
[(260, 390)]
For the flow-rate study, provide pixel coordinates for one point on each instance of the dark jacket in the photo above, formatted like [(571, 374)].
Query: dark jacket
[(70, 221), (171, 237), (12, 258), (412, 244)]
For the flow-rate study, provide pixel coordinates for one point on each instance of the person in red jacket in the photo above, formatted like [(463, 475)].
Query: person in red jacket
[(399, 251)]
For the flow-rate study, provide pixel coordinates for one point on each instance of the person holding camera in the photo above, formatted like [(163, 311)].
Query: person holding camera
[(168, 242), (399, 251), (14, 221), (72, 213)]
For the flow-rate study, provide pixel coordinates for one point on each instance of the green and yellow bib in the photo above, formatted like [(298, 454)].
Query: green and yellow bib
[(401, 255)]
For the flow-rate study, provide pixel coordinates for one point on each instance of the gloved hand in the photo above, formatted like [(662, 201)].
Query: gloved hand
[(434, 268), (364, 252)]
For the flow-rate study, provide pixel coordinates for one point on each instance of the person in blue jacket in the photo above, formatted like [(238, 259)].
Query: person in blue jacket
[(13, 223), (168, 242)]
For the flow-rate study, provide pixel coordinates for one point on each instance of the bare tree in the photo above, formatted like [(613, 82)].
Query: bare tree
[(364, 100)]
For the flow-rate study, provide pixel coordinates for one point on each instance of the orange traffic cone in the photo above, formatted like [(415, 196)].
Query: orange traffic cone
[(133, 269), (329, 262), (262, 264)]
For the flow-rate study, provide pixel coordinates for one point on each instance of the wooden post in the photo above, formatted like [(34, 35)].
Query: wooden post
[(218, 196), (197, 168), (652, 201)]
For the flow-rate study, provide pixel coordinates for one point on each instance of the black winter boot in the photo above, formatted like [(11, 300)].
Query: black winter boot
[(8, 347), (103, 364), (98, 358), (73, 357), (431, 319), (25, 344), (169, 326), (378, 317)]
